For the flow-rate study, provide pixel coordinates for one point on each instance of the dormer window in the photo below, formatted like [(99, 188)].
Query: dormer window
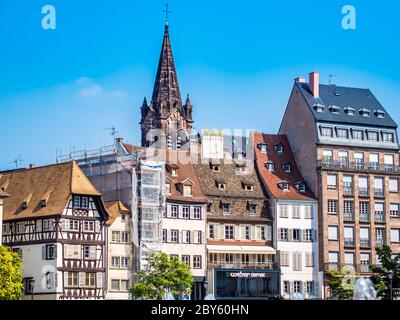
[(270, 166), (326, 132), (279, 148), (379, 113), (342, 133), (220, 185), (173, 172), (318, 107), (284, 185), (168, 188), (301, 186), (372, 135), (365, 112), (173, 169), (387, 137), (252, 208), (287, 167), (24, 205), (350, 111), (247, 186), (187, 190), (43, 203), (334, 109), (263, 147)]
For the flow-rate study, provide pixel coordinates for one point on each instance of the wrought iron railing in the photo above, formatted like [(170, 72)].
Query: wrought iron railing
[(358, 166)]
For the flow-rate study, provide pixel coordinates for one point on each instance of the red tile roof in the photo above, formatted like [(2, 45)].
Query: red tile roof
[(271, 179)]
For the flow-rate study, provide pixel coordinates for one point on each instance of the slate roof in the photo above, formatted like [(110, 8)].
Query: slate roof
[(271, 179), (345, 97)]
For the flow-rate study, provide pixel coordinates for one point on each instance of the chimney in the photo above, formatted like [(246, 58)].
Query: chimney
[(300, 79), (314, 83), (31, 165), (119, 140)]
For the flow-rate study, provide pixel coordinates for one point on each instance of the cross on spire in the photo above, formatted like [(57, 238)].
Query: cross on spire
[(166, 13)]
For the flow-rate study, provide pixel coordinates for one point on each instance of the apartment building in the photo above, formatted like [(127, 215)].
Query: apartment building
[(346, 147), (294, 211)]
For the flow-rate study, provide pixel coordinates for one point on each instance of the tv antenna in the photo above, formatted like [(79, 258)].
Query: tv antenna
[(332, 80), (113, 131), (17, 162)]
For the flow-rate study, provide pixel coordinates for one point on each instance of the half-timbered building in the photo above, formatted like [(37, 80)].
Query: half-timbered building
[(55, 219)]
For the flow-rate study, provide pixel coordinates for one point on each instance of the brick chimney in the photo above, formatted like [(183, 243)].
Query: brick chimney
[(300, 79), (314, 83)]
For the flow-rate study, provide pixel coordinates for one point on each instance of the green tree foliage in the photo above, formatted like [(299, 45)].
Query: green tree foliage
[(380, 273), (11, 287), (341, 283), (161, 276)]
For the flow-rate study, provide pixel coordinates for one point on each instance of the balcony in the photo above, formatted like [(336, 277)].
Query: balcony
[(363, 267), (379, 193), (331, 266), (348, 216), (348, 190), (365, 243), (363, 192), (380, 242), (349, 242), (364, 217), (243, 265), (328, 163), (379, 217)]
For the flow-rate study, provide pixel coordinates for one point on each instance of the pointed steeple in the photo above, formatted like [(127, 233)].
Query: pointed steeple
[(166, 94)]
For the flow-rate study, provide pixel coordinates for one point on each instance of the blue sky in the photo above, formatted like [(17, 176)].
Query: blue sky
[(60, 89)]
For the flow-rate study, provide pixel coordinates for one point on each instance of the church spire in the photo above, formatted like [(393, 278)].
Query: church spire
[(166, 94)]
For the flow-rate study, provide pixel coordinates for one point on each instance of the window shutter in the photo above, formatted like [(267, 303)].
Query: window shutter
[(53, 277), (237, 232), (300, 262), (55, 250), (221, 228), (290, 234), (315, 291), (65, 279), (97, 226), (99, 280), (291, 287), (44, 252), (279, 234), (92, 252), (38, 225), (303, 235), (81, 279), (258, 234), (304, 284), (268, 233)]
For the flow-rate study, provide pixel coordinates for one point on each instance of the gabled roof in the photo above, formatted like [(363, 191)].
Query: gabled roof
[(114, 209), (54, 183), (272, 179), (345, 97)]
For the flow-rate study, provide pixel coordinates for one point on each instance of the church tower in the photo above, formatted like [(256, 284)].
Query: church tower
[(166, 122)]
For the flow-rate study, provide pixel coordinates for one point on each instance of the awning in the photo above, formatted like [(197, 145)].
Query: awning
[(240, 249)]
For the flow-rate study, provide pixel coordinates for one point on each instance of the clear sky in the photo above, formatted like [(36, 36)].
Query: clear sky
[(60, 89)]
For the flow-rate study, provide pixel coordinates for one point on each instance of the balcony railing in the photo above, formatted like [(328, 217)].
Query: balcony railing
[(363, 192), (379, 193), (364, 217), (358, 166), (348, 190), (349, 242), (243, 265), (364, 268), (365, 243), (379, 216), (348, 216), (330, 266), (361, 268), (380, 242)]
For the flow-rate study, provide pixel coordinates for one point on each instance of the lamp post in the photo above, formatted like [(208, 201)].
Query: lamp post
[(32, 285), (390, 276)]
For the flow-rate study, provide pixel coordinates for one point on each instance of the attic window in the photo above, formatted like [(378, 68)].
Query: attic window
[(284, 185), (252, 208), (287, 167), (350, 111), (319, 107), (187, 190), (270, 166), (279, 148), (43, 203), (301, 186), (24, 205), (220, 185), (365, 112), (262, 147), (247, 186), (173, 172), (334, 109), (379, 113), (168, 188)]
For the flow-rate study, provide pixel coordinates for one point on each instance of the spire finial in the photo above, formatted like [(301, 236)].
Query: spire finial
[(166, 13)]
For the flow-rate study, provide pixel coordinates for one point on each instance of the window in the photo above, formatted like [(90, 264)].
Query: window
[(164, 235), (196, 262), (388, 137), (348, 236), (284, 186), (296, 212), (124, 262), (174, 236), (308, 212), (186, 236), (301, 187), (332, 233), (388, 160), (125, 236), (310, 287), (286, 287), (77, 202), (318, 107), (372, 135), (327, 155), (365, 112), (363, 186), (197, 213), (72, 279), (348, 185), (247, 232), (50, 251), (262, 233), (90, 280), (296, 235), (349, 258), (186, 259), (72, 251), (215, 168), (358, 135), (344, 159), (174, 257), (283, 211), (395, 235), (185, 212), (174, 211), (84, 203), (187, 190), (115, 285), (125, 285), (225, 208), (116, 236), (326, 132), (221, 186), (332, 181), (284, 234), (123, 217), (263, 147), (380, 236), (333, 257), (308, 235), (173, 172), (168, 188), (332, 206), (211, 234), (252, 209), (115, 262), (297, 263), (284, 259), (248, 187), (297, 287), (342, 133), (89, 252), (73, 225), (364, 208), (334, 109), (309, 259), (209, 207), (88, 226), (278, 148), (348, 210), (364, 237), (359, 160), (229, 232), (287, 167), (270, 166), (393, 185), (394, 210)]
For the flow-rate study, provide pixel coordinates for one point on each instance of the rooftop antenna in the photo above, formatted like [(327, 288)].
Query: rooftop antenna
[(332, 80), (17, 162), (113, 131)]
